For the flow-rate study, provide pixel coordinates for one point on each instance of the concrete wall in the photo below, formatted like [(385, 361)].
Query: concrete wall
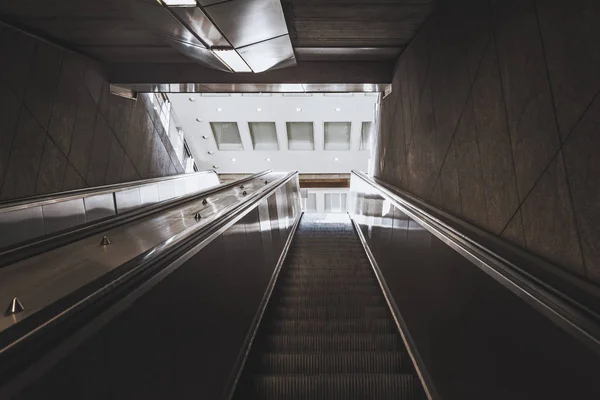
[(60, 129), (495, 117)]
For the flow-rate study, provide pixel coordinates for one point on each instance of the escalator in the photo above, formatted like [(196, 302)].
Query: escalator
[(328, 332), (231, 292)]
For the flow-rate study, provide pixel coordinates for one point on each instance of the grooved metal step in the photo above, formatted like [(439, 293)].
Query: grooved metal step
[(334, 387), (347, 326), (336, 363)]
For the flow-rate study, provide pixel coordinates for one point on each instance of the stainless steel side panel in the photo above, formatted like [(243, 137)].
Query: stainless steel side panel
[(128, 200), (63, 215), (20, 225), (99, 206), (473, 337)]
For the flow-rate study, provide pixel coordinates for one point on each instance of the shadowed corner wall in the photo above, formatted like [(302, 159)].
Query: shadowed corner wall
[(495, 118), (60, 129)]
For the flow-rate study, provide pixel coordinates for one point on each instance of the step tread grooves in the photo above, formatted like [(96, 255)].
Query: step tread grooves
[(327, 332)]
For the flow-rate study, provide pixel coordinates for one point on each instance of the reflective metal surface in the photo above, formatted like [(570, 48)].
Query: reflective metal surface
[(27, 219), (162, 22), (198, 53), (63, 215), (471, 334), (245, 22), (99, 206), (20, 225), (255, 87), (45, 278), (201, 25), (268, 54), (203, 314)]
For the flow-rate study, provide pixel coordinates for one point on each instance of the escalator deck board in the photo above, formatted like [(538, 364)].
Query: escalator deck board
[(327, 332)]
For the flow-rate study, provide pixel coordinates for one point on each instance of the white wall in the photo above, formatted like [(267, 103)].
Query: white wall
[(279, 108)]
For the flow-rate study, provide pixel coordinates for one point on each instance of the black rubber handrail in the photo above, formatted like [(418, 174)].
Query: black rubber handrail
[(571, 315)]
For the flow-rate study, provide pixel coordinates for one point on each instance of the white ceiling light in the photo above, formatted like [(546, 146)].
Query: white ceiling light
[(336, 159), (219, 109), (215, 167), (233, 60), (298, 109), (180, 3), (204, 137), (233, 159), (192, 99), (338, 109), (267, 159), (198, 119), (211, 152), (259, 109)]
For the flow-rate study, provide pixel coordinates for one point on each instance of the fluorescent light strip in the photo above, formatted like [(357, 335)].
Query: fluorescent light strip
[(233, 60), (180, 3)]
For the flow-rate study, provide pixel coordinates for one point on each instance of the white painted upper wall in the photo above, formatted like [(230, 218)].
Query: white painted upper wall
[(279, 108)]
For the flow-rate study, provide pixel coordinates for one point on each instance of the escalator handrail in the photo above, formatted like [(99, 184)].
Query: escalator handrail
[(566, 312), (21, 251), (151, 266), (9, 205)]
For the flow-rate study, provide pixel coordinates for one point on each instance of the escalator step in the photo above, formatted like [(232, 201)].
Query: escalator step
[(333, 387), (328, 332), (329, 313), (332, 343), (309, 281), (355, 290), (331, 299), (310, 327), (335, 363)]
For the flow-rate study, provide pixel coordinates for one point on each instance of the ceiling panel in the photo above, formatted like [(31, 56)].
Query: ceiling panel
[(332, 29)]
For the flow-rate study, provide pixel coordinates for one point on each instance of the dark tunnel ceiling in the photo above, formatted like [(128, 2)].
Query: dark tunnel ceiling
[(321, 30)]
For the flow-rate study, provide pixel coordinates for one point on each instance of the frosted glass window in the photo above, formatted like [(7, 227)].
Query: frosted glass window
[(311, 203), (337, 135), (365, 136), (300, 136), (264, 135), (335, 202), (227, 136)]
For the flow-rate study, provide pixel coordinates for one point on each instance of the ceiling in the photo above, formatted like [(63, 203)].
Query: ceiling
[(320, 30), (337, 151)]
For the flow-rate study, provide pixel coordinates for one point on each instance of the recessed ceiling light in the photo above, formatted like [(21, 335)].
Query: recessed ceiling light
[(219, 109), (338, 109), (215, 167), (298, 109), (204, 137), (336, 159), (192, 99), (211, 152), (233, 159), (198, 119), (259, 109), (267, 159)]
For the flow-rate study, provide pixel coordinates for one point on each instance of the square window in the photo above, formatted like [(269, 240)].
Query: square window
[(227, 136), (365, 136), (335, 202), (300, 136), (337, 135), (264, 135)]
